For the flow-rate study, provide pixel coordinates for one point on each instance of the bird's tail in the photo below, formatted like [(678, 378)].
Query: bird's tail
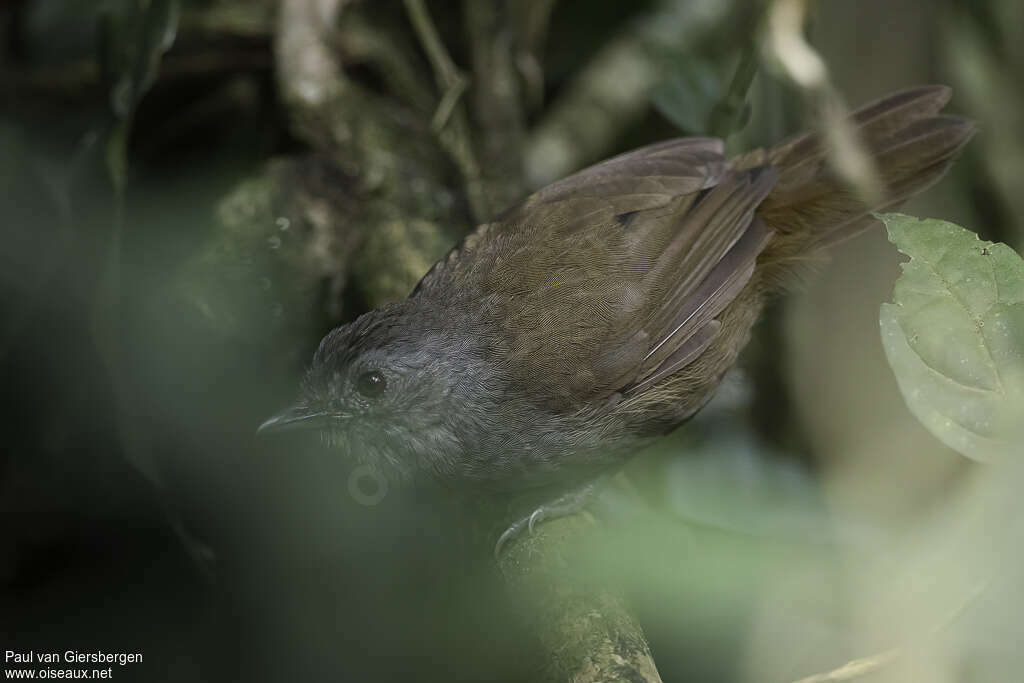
[(912, 145)]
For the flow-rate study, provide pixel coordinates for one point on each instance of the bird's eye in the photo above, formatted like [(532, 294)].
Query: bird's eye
[(371, 384)]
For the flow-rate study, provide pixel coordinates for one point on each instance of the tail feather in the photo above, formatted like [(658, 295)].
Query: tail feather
[(899, 192), (912, 145), (805, 155)]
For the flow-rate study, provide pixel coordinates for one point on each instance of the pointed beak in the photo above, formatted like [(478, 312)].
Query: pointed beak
[(295, 417)]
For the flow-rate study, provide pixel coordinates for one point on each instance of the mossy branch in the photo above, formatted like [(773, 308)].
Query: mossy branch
[(588, 633)]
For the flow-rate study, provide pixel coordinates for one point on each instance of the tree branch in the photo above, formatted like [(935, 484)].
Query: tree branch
[(856, 668), (846, 152), (867, 665), (388, 51), (532, 18), (309, 76), (450, 122), (498, 103), (589, 635)]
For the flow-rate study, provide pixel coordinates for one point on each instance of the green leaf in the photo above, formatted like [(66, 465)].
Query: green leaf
[(732, 113), (696, 98), (687, 96), (954, 336)]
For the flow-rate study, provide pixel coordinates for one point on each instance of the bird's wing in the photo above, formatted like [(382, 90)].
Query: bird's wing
[(610, 280), (644, 178)]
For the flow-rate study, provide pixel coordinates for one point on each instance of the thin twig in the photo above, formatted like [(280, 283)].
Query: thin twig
[(449, 101), (309, 74), (846, 152), (450, 121), (532, 18), (728, 115), (856, 668), (447, 74), (498, 107), (359, 40), (866, 665)]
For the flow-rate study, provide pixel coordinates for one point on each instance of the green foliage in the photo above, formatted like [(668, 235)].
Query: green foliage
[(954, 335), (697, 100), (688, 94)]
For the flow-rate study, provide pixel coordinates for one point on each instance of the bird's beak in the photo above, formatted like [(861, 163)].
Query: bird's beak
[(295, 417)]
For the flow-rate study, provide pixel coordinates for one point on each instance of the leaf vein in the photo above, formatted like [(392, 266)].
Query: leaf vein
[(942, 375), (979, 325)]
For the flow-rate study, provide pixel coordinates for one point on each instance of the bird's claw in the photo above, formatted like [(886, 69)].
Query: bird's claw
[(511, 533), (569, 503), (528, 523), (538, 516)]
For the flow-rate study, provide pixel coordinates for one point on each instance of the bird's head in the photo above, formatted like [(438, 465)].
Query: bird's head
[(383, 389)]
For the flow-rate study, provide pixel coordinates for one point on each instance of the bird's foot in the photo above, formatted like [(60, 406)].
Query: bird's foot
[(567, 504)]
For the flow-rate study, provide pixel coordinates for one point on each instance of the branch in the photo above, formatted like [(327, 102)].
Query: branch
[(500, 115), (858, 668), (589, 635), (328, 110), (309, 75), (532, 19), (846, 152), (369, 204), (388, 52), (450, 122)]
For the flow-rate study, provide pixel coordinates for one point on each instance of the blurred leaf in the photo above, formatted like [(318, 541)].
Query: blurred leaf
[(731, 483), (732, 112), (695, 97), (954, 335), (688, 96)]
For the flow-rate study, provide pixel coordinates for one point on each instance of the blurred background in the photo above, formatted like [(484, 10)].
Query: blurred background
[(193, 192)]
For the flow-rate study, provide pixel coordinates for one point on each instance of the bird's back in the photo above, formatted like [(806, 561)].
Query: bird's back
[(624, 292)]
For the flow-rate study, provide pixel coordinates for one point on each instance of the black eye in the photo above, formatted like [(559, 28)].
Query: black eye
[(371, 384)]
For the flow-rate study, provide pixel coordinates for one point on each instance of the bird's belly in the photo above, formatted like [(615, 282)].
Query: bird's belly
[(543, 458)]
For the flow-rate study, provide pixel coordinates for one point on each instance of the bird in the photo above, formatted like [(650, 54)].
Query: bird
[(564, 335)]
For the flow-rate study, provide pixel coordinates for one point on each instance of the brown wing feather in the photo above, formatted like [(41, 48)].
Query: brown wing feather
[(662, 239), (678, 325), (645, 178), (811, 207), (619, 279), (706, 234)]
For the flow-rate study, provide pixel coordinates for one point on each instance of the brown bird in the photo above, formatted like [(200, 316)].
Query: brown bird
[(602, 312)]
